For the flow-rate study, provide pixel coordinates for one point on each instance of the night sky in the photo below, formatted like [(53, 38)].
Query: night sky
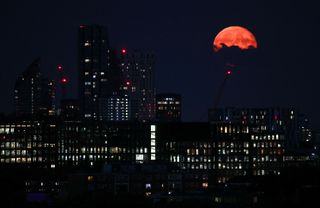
[(285, 73)]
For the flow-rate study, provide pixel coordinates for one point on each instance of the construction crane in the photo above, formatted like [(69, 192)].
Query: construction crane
[(228, 73), (63, 81)]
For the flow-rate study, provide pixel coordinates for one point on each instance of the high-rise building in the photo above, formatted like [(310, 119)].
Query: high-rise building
[(97, 70), (168, 107), (33, 94), (137, 82)]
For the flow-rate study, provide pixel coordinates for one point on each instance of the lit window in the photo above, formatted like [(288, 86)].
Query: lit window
[(90, 178), (153, 149), (205, 185), (153, 135), (148, 186), (139, 157)]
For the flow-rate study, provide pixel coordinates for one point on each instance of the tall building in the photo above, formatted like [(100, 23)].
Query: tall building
[(33, 94), (168, 107), (97, 70), (137, 82)]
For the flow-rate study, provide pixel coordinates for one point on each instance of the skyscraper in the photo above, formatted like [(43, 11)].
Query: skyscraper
[(33, 94), (97, 69), (137, 82)]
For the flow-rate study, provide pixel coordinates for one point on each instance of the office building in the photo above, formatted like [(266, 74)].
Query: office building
[(251, 141), (28, 143)]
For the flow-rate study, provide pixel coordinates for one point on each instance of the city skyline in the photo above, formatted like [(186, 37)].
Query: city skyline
[(159, 104), (182, 40)]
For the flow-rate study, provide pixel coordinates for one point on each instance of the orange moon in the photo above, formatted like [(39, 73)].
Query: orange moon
[(234, 36)]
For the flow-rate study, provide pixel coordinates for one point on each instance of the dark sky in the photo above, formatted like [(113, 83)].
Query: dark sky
[(181, 33)]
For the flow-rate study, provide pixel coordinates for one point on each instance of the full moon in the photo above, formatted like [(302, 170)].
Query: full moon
[(234, 36)]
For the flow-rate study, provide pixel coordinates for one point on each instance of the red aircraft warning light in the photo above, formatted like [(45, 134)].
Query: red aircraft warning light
[(123, 51), (64, 80), (59, 68), (229, 72), (128, 83)]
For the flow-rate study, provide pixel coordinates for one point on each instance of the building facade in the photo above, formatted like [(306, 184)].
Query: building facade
[(28, 143), (252, 141), (236, 142), (118, 108)]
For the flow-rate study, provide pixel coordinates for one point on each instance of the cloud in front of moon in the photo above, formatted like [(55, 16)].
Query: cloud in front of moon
[(234, 36)]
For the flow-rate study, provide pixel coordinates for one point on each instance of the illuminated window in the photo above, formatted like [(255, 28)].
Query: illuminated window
[(90, 178), (153, 135), (148, 186), (153, 149), (205, 185), (139, 157), (218, 199)]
